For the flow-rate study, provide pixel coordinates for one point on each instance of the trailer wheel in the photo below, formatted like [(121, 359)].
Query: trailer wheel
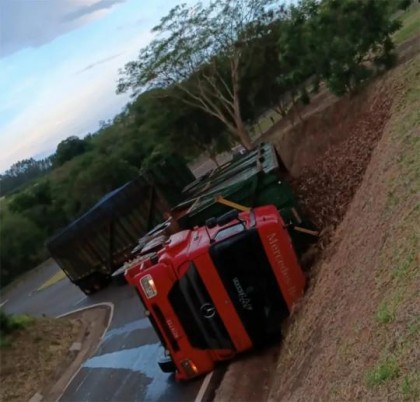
[(86, 291)]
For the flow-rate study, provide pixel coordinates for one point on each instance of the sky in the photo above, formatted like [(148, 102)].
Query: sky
[(59, 62)]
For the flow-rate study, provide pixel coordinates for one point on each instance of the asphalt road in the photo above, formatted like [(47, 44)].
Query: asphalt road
[(124, 368)]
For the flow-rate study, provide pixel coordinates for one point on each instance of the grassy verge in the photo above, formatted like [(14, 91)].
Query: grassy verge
[(397, 318), (34, 352), (410, 24)]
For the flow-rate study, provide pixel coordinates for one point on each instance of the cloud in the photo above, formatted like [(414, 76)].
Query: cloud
[(89, 9), (65, 103), (51, 125), (26, 24)]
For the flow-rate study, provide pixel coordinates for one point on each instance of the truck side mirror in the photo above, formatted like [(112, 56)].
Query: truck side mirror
[(211, 222), (223, 219), (227, 217)]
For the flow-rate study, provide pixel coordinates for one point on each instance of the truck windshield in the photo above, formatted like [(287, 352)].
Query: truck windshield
[(196, 312), (247, 275)]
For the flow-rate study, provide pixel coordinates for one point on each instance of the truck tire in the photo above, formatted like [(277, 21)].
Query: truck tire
[(93, 283), (167, 365)]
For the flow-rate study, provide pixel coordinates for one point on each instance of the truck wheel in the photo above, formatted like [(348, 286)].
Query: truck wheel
[(167, 365)]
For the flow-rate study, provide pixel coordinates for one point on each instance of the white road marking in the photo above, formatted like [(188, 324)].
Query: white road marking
[(111, 306), (3, 303), (203, 387), (79, 301), (108, 304)]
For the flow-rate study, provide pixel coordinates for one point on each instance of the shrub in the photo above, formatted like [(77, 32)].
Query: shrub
[(10, 324)]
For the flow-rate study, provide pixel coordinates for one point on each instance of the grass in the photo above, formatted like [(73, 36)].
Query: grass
[(268, 119), (410, 388), (397, 313), (414, 327), (10, 324), (401, 270), (384, 371), (384, 315), (410, 24)]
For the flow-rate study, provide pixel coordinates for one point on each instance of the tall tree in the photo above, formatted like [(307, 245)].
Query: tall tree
[(68, 149), (199, 53), (342, 42), (22, 172)]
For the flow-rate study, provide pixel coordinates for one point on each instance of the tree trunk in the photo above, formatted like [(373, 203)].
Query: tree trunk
[(296, 109), (213, 158), (243, 134), (241, 131)]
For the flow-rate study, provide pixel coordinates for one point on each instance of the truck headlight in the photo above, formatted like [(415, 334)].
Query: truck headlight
[(148, 285), (189, 367)]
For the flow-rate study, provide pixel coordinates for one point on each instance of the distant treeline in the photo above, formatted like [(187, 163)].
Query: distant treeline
[(267, 55)]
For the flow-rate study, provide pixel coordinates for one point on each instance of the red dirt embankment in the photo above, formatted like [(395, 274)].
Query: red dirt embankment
[(328, 153), (353, 337), (356, 334)]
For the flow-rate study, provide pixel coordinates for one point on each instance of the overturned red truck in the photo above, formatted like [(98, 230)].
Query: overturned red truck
[(218, 282), (214, 282), (219, 289)]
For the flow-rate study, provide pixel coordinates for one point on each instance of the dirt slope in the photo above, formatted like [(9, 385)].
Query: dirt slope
[(356, 335), (41, 358), (35, 353)]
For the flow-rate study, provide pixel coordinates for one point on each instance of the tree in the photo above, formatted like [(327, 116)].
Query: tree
[(21, 243), (101, 176), (198, 57), (68, 149), (173, 126), (344, 41), (22, 172)]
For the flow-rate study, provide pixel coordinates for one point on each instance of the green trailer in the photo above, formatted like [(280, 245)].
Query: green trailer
[(255, 179)]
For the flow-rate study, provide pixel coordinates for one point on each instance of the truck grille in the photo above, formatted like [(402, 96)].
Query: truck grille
[(197, 314), (251, 284)]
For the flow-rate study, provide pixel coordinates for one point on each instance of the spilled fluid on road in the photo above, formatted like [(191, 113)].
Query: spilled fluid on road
[(144, 323), (142, 359)]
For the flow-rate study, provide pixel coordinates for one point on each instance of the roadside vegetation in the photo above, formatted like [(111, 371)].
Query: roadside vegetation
[(356, 334), (33, 353), (410, 26), (198, 88), (9, 325)]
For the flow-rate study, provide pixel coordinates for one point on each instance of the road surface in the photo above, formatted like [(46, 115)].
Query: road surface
[(124, 368)]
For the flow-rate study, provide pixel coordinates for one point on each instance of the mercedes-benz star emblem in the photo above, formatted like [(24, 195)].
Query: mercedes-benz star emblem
[(208, 310)]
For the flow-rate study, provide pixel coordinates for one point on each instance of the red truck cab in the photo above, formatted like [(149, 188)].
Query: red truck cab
[(220, 289)]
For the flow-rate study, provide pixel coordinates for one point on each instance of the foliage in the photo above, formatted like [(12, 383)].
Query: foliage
[(22, 172), (170, 123), (342, 42), (10, 324), (211, 72), (21, 242), (384, 371), (68, 149), (198, 57)]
